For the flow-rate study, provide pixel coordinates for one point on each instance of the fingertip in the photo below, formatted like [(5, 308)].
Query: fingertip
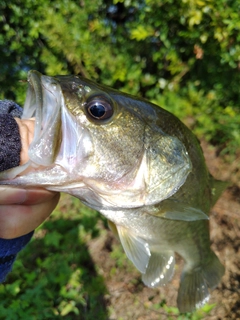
[(37, 196), (10, 195)]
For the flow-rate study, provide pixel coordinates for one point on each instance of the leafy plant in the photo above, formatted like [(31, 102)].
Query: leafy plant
[(180, 54)]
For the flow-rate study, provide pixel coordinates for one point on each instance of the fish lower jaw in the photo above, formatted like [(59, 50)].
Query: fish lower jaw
[(16, 173)]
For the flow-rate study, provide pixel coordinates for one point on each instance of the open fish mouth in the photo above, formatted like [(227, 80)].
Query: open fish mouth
[(60, 144), (43, 101)]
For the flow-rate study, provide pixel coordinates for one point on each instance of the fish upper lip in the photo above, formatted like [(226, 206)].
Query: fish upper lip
[(33, 102), (44, 100)]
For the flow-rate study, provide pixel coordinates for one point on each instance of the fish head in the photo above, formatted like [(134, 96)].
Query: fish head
[(98, 144)]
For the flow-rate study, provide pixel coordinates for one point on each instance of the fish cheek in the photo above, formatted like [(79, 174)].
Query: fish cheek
[(118, 147)]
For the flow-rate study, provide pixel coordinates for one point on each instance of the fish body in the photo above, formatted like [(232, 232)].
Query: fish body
[(135, 163)]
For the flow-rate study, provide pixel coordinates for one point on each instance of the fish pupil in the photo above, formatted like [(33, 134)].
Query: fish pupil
[(97, 110)]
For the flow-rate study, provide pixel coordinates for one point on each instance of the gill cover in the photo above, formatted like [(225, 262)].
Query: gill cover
[(168, 165)]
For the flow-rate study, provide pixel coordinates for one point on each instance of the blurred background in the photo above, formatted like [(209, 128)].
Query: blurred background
[(182, 55)]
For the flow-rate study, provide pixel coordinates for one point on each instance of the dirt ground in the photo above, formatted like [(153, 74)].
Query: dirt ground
[(129, 299)]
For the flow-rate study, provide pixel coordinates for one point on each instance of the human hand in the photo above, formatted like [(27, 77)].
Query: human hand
[(22, 210)]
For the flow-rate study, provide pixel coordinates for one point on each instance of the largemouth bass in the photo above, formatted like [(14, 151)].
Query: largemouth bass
[(135, 163)]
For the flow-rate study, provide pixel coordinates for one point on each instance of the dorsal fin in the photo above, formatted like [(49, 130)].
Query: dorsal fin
[(217, 189)]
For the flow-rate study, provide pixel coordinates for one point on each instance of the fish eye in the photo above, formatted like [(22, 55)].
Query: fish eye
[(99, 110)]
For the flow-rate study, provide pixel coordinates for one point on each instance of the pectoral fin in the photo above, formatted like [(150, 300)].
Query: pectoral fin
[(160, 269), (174, 210), (136, 249)]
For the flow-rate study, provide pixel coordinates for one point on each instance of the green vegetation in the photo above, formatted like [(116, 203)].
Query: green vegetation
[(183, 55)]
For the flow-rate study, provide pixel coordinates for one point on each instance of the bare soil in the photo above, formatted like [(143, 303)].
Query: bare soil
[(128, 298)]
